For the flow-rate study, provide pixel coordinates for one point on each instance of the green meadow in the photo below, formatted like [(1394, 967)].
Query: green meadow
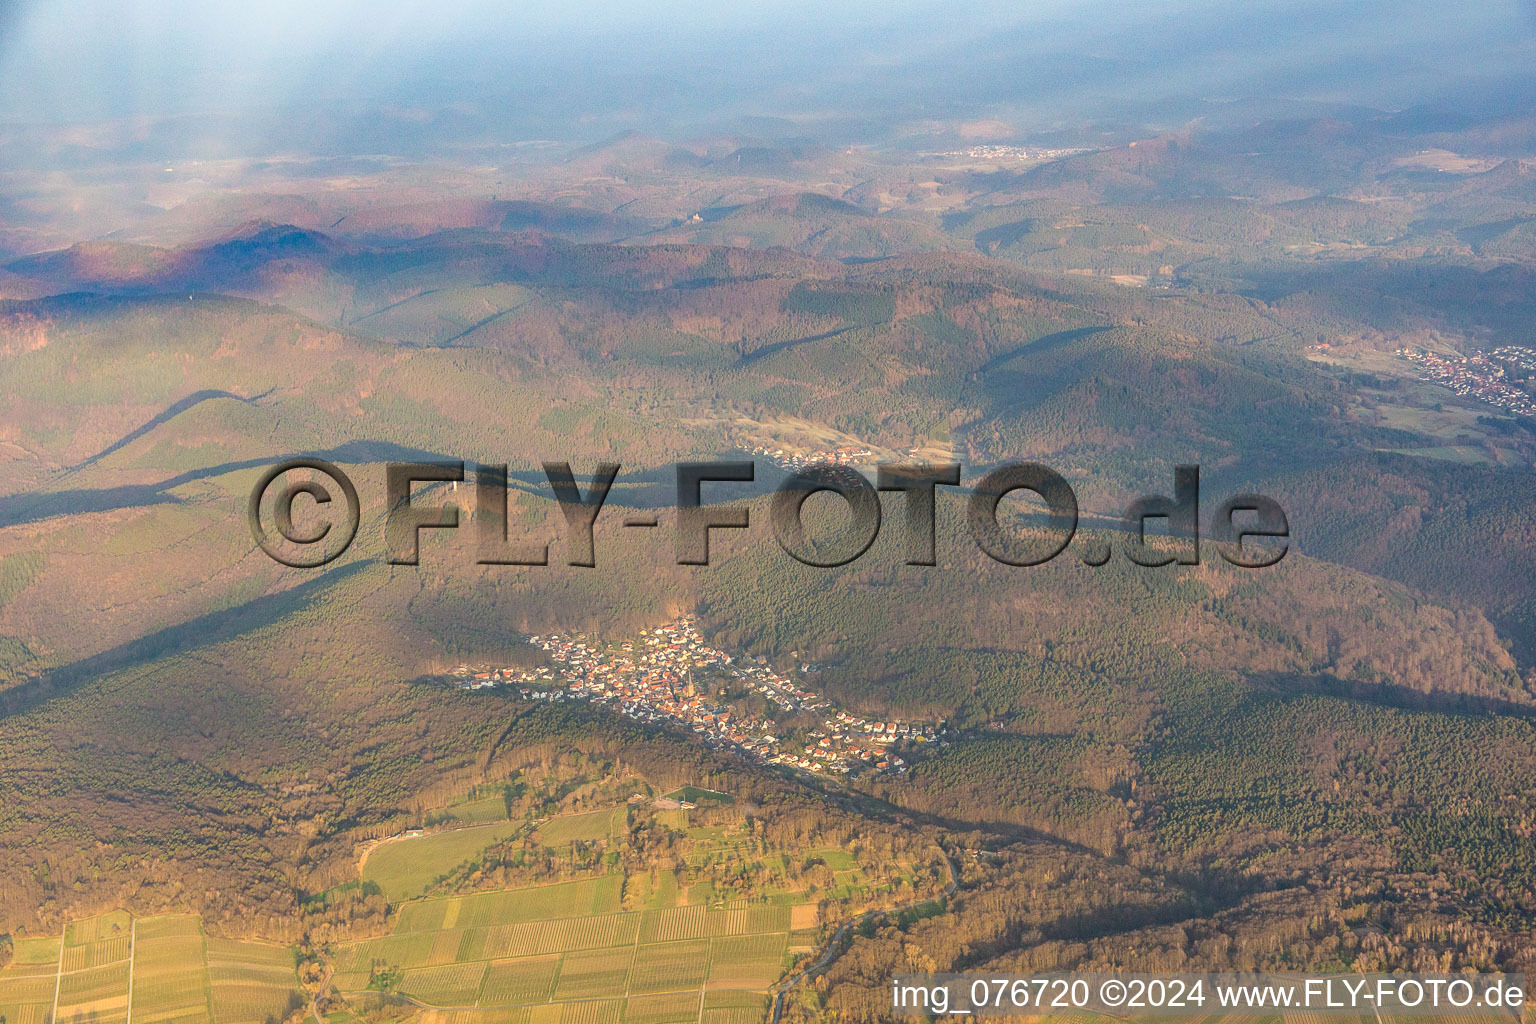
[(406, 868)]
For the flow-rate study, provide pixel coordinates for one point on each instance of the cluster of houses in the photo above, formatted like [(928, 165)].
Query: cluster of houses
[(793, 460), (1000, 152), (991, 153), (1517, 356), (667, 676), (846, 738), (1484, 376)]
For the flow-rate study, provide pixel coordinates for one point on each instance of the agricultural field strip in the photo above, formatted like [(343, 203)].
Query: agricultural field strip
[(478, 987), (653, 931), (171, 968), (653, 926), (86, 992), (661, 924), (248, 980), (258, 966), (59, 973), (24, 992), (634, 952)]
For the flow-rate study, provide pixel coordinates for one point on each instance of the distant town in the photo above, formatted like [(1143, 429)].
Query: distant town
[(790, 458), (1487, 376), (995, 152), (666, 676), (793, 458)]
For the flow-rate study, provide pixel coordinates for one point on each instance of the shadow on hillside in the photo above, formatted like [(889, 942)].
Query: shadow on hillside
[(202, 631), (171, 411), (781, 346), (1103, 922), (32, 507), (1398, 297), (648, 488), (1046, 343), (1391, 695)]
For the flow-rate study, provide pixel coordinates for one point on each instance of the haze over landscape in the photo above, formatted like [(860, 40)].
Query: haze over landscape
[(1292, 243)]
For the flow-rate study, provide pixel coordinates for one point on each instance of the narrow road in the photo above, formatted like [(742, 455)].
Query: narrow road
[(58, 977), (133, 935), (834, 944)]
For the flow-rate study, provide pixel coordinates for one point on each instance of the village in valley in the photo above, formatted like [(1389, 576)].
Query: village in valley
[(1487, 376), (792, 459), (789, 458), (670, 675), (996, 151)]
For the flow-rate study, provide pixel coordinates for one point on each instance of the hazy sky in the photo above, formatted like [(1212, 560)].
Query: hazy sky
[(583, 67)]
